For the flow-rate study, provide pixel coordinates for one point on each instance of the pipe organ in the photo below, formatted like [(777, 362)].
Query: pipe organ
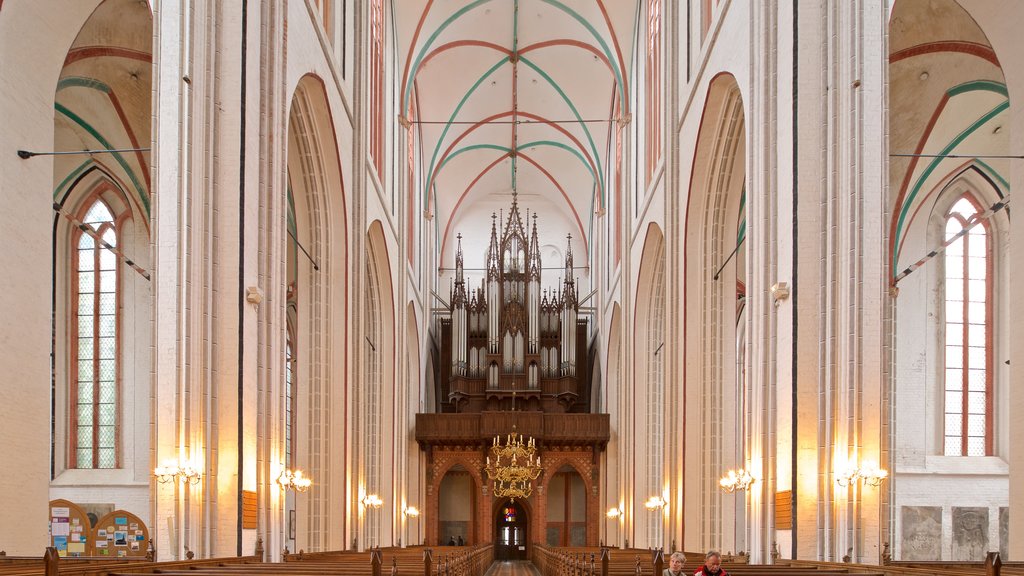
[(509, 343)]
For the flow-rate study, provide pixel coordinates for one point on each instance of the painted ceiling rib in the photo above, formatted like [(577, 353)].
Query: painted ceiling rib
[(515, 92)]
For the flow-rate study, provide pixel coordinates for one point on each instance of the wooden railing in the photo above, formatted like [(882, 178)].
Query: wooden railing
[(579, 429)]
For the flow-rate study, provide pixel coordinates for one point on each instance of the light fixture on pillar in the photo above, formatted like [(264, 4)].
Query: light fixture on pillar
[(169, 472), (736, 480), (655, 503), (411, 512), (371, 501), (615, 513), (295, 480), (869, 474), (516, 465)]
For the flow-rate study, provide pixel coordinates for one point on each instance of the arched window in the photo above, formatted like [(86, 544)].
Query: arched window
[(289, 400), (94, 410), (653, 93), (968, 335), (376, 82)]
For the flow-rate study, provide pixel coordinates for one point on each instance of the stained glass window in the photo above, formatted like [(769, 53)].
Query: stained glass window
[(510, 514)]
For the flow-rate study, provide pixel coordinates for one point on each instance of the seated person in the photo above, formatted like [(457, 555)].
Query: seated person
[(675, 564), (712, 565)]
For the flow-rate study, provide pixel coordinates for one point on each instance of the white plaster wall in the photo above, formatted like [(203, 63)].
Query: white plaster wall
[(34, 38)]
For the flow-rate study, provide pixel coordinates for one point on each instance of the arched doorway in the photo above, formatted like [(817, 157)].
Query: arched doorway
[(456, 506), (510, 531)]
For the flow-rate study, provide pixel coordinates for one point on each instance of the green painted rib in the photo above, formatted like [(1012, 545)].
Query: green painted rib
[(983, 85), (430, 41), (579, 119), (80, 82), (933, 164), (563, 146), (472, 147), (742, 231), (612, 60), (143, 197), (993, 173), (448, 125), (74, 174), (293, 227)]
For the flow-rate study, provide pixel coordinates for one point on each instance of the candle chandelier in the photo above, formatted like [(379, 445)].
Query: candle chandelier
[(515, 466)]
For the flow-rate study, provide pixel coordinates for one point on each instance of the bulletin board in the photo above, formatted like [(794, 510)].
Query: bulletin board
[(120, 534), (70, 531)]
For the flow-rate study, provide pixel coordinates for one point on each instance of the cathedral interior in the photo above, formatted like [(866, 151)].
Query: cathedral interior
[(332, 275)]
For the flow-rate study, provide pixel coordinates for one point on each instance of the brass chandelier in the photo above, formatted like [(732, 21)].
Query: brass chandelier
[(515, 466)]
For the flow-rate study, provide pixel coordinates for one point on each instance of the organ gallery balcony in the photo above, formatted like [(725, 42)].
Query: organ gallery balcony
[(481, 428)]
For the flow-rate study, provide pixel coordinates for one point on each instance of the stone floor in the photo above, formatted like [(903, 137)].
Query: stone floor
[(512, 568)]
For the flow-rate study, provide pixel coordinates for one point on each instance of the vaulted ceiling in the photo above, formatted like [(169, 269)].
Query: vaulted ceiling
[(514, 94)]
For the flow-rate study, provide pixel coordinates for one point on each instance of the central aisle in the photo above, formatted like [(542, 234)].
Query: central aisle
[(512, 568)]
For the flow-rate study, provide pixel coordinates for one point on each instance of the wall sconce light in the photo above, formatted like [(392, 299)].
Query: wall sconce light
[(411, 512), (736, 480), (294, 480), (169, 471), (614, 513), (870, 475), (371, 501), (655, 503)]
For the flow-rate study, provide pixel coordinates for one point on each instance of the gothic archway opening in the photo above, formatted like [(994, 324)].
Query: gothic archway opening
[(456, 505), (566, 509), (511, 531)]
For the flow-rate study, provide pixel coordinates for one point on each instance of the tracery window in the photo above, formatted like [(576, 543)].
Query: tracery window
[(289, 400), (376, 85), (94, 339), (653, 93), (968, 335)]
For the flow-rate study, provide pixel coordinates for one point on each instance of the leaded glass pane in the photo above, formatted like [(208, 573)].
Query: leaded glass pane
[(953, 446), (107, 392), (975, 446), (108, 304), (954, 263), (107, 370), (108, 281), (85, 324), (976, 312), (952, 227), (85, 247), (85, 370), (963, 207), (954, 290), (107, 415), (954, 402), (85, 412), (976, 406), (85, 348), (106, 437), (977, 268), (84, 457), (977, 290), (85, 436), (107, 347), (85, 261), (976, 425), (97, 213), (976, 357), (954, 357), (86, 282), (108, 325), (976, 335), (107, 458), (954, 334), (84, 397), (976, 381), (954, 425), (976, 247), (85, 304), (953, 378), (111, 238), (108, 260)]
